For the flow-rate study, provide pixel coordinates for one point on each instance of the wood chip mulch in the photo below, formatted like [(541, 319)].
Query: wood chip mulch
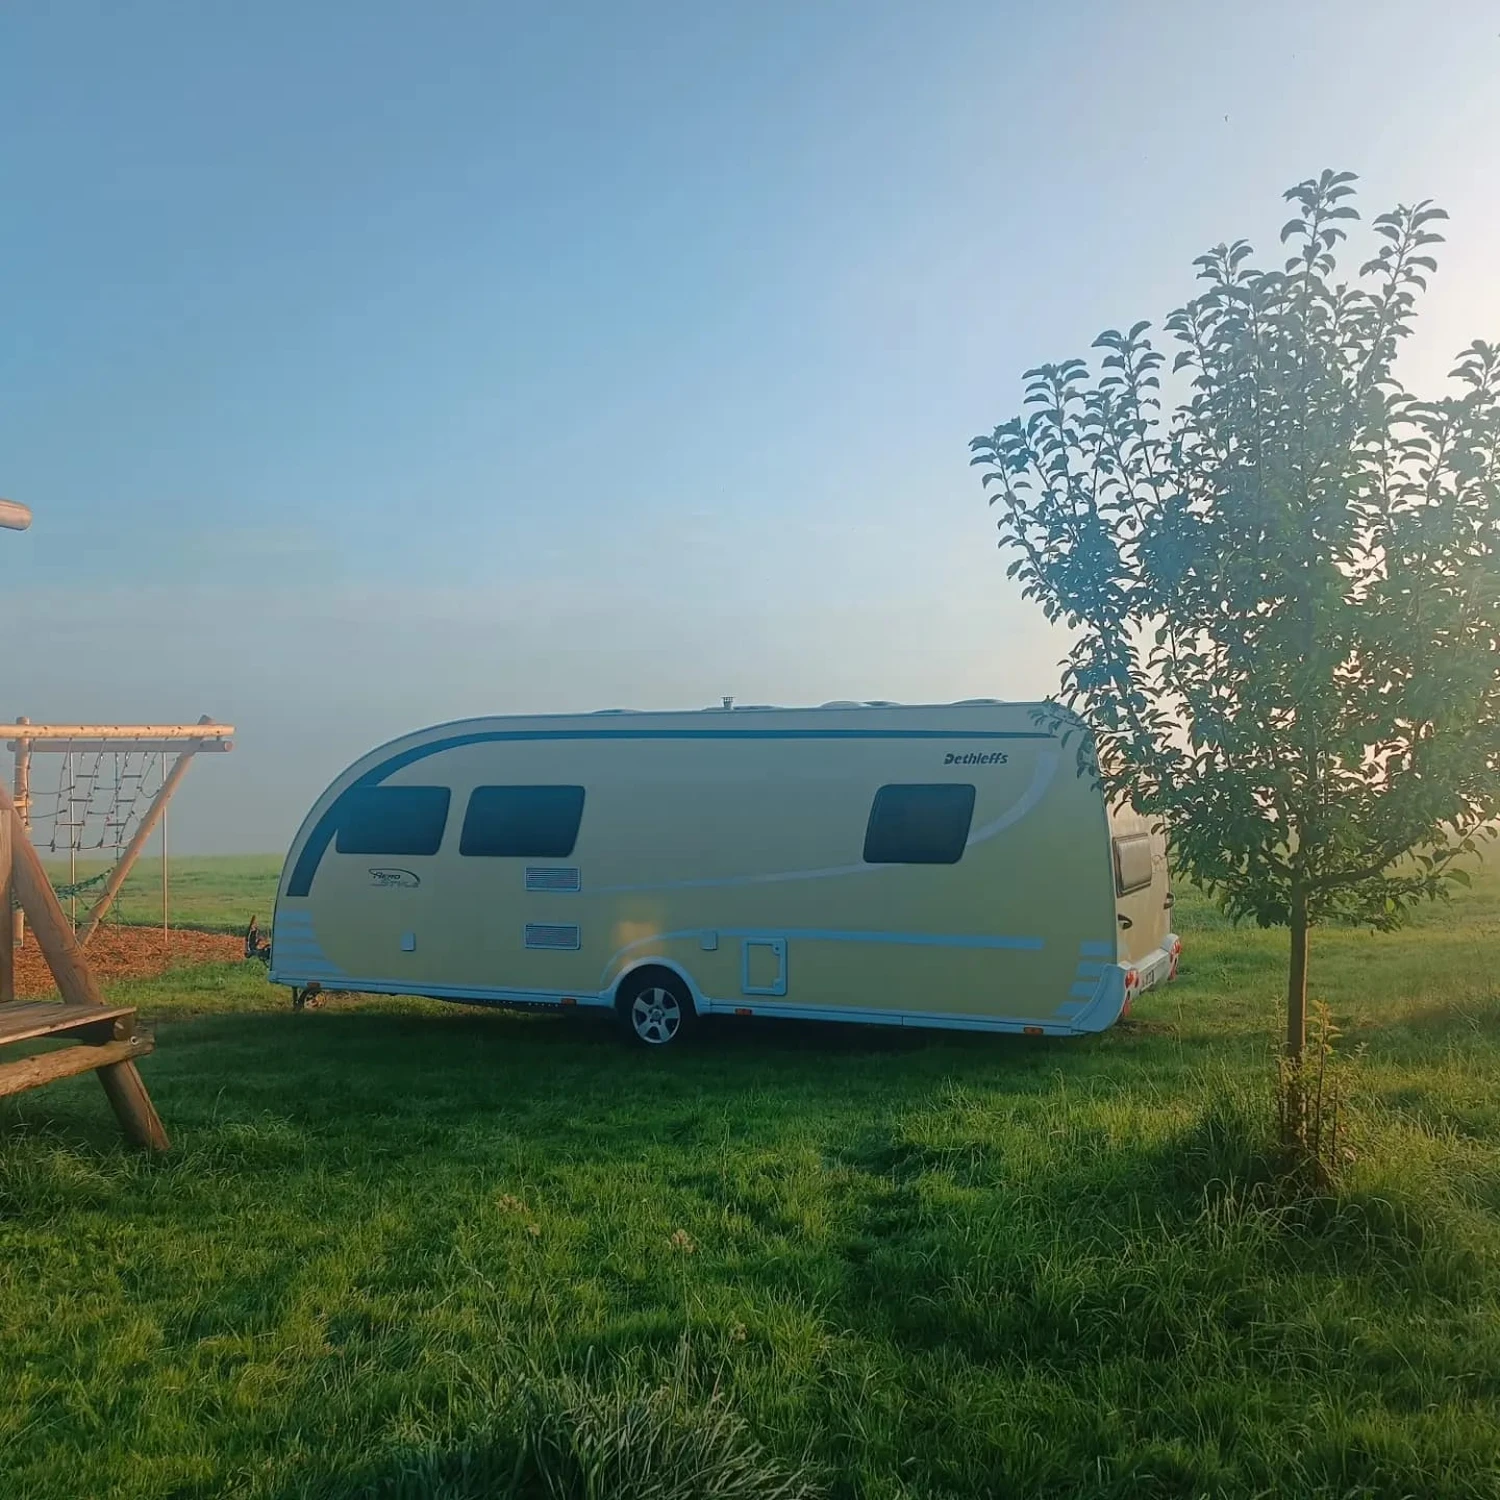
[(128, 953)]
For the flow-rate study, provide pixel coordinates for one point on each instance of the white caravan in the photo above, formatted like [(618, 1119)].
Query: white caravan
[(941, 865)]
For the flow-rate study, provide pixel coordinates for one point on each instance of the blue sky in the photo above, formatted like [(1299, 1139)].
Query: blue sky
[(367, 366)]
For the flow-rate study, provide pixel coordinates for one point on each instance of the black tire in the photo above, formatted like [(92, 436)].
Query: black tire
[(655, 1007)]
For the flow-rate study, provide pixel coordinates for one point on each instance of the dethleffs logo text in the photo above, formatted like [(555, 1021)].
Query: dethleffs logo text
[(977, 758)]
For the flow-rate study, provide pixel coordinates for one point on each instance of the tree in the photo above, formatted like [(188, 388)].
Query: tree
[(1285, 591)]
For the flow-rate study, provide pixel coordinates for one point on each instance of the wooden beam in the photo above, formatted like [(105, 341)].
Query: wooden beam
[(109, 746), (43, 735), (7, 932), (46, 1067), (14, 516), (137, 842), (121, 1080)]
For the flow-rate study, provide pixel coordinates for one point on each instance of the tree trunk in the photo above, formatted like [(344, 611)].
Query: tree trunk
[(1296, 981), (1292, 1071)]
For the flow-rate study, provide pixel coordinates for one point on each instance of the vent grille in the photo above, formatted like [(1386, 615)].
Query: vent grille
[(552, 878), (551, 935)]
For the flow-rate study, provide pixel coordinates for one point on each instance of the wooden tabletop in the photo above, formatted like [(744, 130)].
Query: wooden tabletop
[(21, 1020)]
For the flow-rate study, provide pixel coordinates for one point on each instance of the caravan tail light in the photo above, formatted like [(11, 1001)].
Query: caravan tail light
[(1132, 980)]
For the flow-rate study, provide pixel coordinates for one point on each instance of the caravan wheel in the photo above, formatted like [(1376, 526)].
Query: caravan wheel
[(656, 1007)]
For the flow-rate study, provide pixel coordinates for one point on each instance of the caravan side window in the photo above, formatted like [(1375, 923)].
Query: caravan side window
[(522, 822), (392, 819), (1132, 863), (919, 824)]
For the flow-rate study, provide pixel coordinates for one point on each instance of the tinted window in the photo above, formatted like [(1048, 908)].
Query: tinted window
[(522, 822), (919, 825), (392, 819)]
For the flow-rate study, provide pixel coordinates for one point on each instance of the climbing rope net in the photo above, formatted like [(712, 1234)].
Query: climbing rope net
[(94, 808)]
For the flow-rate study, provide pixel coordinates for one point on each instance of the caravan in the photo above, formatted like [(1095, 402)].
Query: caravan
[(942, 866)]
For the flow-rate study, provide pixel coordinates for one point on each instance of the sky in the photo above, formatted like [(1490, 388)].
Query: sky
[(369, 366)]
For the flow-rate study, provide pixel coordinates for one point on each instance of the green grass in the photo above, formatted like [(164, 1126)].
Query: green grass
[(406, 1250), (211, 893)]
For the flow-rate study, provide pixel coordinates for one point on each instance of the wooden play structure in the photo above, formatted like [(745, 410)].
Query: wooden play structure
[(106, 775), (106, 772)]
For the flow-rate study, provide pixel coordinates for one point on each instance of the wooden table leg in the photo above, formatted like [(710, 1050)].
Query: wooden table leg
[(132, 1105)]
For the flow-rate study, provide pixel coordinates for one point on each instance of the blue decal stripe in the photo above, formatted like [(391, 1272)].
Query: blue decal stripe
[(322, 834)]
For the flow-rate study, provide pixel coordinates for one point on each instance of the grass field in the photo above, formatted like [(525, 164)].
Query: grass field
[(214, 894), (405, 1250)]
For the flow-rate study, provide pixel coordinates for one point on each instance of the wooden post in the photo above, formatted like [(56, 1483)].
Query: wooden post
[(74, 835), (122, 1080), (138, 839), (23, 806), (7, 942)]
